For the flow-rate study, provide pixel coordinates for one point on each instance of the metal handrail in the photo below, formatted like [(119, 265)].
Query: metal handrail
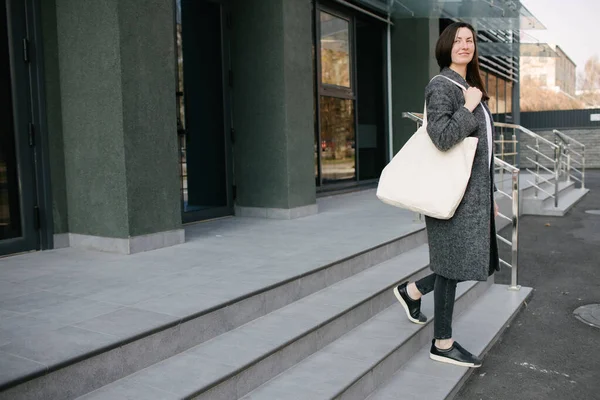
[(514, 243), (556, 160), (566, 153), (514, 197)]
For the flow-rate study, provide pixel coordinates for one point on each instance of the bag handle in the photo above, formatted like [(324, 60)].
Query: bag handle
[(425, 106)]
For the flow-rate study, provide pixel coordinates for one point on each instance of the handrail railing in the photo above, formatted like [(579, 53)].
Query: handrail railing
[(514, 242), (556, 160), (513, 196), (567, 160)]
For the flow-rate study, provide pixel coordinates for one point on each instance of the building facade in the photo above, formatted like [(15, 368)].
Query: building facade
[(129, 119), (556, 72)]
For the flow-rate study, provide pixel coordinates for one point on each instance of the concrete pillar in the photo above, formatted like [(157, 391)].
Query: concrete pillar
[(117, 88), (273, 108), (413, 65)]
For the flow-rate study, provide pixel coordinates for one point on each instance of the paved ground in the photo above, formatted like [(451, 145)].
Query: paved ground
[(547, 353)]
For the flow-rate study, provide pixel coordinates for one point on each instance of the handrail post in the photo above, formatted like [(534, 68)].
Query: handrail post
[(583, 167), (514, 139), (537, 165), (569, 162), (502, 156), (557, 162), (515, 232)]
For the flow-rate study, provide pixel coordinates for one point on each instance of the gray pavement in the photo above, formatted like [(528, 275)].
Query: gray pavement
[(547, 353)]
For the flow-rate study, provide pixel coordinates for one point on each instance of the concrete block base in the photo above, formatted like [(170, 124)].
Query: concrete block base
[(131, 245)]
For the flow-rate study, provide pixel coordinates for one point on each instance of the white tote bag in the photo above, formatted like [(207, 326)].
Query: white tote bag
[(426, 180)]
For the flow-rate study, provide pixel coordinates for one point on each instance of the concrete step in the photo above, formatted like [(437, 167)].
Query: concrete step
[(566, 201), (234, 363), (354, 365), (193, 319), (478, 328), (535, 205)]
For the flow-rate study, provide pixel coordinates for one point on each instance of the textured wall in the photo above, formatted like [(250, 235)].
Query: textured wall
[(149, 115), (273, 103), (413, 65), (117, 85)]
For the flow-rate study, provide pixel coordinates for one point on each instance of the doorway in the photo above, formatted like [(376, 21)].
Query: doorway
[(19, 208), (203, 109)]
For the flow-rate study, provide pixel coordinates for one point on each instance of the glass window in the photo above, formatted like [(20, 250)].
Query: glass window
[(501, 96), (509, 91), (10, 215), (338, 160), (335, 50), (493, 93)]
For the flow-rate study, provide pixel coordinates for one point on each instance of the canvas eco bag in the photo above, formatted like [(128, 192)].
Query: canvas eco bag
[(426, 180)]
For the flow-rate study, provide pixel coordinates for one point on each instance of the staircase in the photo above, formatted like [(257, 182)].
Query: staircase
[(543, 203), (334, 332)]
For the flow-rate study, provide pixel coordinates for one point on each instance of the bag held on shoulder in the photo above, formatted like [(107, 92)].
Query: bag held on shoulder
[(426, 180)]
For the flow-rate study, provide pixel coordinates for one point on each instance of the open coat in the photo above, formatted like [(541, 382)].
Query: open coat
[(465, 246)]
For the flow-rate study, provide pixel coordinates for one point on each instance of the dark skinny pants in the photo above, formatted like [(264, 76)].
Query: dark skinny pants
[(444, 293)]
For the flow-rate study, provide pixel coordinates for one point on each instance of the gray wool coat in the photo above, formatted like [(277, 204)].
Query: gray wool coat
[(465, 246)]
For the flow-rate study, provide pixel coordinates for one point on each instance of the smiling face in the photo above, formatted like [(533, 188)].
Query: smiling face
[(464, 47)]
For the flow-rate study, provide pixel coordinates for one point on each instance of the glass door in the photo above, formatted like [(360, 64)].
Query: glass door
[(17, 185), (336, 138), (350, 140), (204, 118)]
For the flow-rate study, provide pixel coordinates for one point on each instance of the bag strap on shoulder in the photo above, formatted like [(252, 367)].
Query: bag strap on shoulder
[(425, 106)]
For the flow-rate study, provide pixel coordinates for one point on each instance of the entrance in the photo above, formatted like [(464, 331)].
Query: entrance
[(350, 140), (203, 109), (19, 211)]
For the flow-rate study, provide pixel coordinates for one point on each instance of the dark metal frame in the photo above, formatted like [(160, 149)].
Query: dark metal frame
[(28, 97), (217, 212)]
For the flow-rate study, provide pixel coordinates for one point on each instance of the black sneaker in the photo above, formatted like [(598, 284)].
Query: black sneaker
[(455, 355), (412, 307)]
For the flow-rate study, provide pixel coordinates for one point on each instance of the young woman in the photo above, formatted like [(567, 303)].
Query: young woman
[(464, 247)]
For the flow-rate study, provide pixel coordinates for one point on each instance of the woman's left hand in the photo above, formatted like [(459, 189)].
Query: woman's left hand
[(496, 209)]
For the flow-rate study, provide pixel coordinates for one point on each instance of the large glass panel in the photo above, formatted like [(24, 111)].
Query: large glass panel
[(338, 161), (371, 105), (10, 216), (492, 90), (201, 112), (335, 50), (509, 94), (501, 96)]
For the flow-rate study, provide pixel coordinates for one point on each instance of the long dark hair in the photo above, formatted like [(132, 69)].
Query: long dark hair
[(443, 54)]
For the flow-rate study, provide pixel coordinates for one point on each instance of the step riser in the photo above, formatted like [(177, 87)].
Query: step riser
[(74, 380), (388, 366), (286, 357)]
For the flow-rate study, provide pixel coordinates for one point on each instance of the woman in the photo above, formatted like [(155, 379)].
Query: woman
[(463, 247)]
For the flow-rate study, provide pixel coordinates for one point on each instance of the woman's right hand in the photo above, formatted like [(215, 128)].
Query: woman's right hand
[(472, 97)]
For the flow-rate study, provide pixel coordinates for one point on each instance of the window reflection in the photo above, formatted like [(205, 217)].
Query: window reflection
[(335, 51), (493, 93), (181, 110), (501, 96), (337, 139), (10, 214), (509, 90)]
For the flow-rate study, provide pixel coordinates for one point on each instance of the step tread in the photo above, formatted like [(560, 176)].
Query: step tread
[(259, 338), (568, 200), (489, 314), (542, 196), (348, 358)]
